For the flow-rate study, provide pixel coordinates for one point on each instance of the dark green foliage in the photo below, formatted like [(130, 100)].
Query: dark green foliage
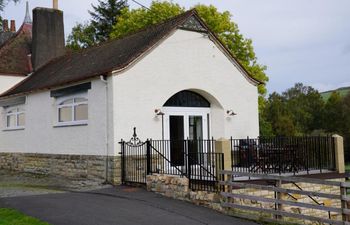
[(346, 114), (301, 110), (333, 116), (266, 129), (103, 17), (297, 111), (82, 36), (305, 106)]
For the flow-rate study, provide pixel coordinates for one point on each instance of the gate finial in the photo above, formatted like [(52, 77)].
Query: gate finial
[(135, 141), (134, 135)]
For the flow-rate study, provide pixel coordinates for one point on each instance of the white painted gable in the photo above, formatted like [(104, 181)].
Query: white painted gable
[(186, 60)]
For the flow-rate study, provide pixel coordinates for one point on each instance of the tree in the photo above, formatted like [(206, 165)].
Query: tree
[(221, 23), (265, 127), (306, 107), (297, 111), (346, 115), (82, 36), (277, 114), (104, 16), (333, 117)]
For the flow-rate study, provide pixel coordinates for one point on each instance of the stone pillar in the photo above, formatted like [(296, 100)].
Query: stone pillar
[(339, 153), (224, 146)]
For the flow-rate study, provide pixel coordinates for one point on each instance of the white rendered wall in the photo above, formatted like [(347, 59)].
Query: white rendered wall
[(185, 61), (6, 82), (40, 135)]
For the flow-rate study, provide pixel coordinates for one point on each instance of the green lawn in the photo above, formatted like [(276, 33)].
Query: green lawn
[(13, 217)]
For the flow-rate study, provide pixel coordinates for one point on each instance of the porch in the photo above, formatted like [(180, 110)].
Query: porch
[(202, 160)]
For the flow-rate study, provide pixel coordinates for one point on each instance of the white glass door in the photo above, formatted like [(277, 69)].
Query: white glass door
[(181, 124), (194, 121)]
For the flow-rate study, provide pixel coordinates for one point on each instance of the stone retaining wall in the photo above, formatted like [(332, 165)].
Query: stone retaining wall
[(89, 167), (178, 188)]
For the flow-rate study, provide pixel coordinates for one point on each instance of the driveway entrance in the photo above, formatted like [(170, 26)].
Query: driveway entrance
[(119, 206)]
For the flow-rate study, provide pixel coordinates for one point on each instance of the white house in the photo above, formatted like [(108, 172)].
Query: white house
[(174, 80)]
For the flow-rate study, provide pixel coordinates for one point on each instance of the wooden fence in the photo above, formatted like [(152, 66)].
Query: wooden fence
[(275, 185)]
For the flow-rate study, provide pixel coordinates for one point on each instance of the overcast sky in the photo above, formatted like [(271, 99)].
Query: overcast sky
[(298, 40)]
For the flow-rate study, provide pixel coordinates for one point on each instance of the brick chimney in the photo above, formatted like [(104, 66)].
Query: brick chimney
[(5, 25), (48, 36), (13, 26)]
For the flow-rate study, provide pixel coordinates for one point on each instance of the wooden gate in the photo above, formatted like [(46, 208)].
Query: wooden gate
[(286, 192)]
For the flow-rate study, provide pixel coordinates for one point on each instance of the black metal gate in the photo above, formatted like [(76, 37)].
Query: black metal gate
[(136, 160), (194, 159)]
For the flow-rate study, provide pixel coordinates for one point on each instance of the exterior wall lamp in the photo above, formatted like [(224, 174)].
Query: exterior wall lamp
[(231, 112), (159, 112)]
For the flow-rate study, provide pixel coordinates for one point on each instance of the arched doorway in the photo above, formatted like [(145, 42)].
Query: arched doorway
[(186, 116)]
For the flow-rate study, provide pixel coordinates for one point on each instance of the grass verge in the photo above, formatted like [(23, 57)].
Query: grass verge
[(13, 217)]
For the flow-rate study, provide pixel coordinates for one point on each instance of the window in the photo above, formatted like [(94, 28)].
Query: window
[(73, 111), (15, 118)]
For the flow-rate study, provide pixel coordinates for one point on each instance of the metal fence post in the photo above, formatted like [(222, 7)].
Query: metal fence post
[(122, 145), (319, 154), (187, 154), (148, 155)]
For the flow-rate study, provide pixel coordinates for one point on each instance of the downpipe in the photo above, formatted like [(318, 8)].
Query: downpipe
[(104, 80)]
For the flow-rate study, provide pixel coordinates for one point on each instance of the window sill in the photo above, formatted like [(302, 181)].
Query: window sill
[(73, 124), (13, 129)]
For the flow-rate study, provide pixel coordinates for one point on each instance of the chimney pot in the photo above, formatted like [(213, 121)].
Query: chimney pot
[(5, 25), (55, 4), (13, 26)]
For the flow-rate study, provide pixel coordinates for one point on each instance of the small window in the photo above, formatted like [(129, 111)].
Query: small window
[(15, 118), (73, 111)]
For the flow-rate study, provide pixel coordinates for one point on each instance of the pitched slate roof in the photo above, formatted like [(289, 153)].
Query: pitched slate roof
[(14, 52), (99, 60), (4, 36)]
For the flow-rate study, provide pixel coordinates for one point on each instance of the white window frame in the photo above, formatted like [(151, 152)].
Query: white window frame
[(186, 112), (16, 111), (60, 105)]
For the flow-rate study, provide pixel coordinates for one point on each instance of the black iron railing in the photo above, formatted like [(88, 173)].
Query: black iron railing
[(285, 155), (194, 159), (198, 161)]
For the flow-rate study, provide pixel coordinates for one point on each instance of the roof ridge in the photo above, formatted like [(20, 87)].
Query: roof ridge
[(137, 31), (70, 52), (111, 55)]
